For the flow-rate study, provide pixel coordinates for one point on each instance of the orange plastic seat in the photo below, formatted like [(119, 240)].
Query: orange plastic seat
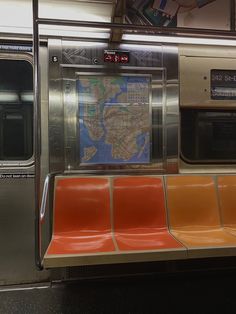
[(140, 216), (81, 217), (227, 194), (194, 215)]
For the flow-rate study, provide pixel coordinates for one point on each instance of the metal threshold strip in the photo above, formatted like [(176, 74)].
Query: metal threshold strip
[(24, 287)]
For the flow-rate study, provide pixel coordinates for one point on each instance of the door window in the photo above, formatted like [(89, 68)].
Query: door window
[(16, 110)]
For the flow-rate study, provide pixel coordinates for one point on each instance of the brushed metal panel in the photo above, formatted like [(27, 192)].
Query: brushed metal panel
[(44, 112), (86, 53), (78, 59), (170, 62), (71, 108), (17, 233), (91, 53), (144, 55), (203, 169), (56, 109), (171, 112), (161, 62), (46, 231), (195, 79)]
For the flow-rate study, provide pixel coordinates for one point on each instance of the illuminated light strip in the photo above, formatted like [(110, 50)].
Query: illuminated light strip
[(6, 96), (27, 96), (62, 31), (180, 40), (73, 32)]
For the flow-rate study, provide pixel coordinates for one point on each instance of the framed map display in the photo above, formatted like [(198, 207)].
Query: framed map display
[(114, 119)]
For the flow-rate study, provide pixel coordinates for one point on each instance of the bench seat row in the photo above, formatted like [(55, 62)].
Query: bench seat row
[(100, 220)]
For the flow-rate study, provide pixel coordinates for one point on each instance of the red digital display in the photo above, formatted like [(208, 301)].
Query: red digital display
[(115, 56)]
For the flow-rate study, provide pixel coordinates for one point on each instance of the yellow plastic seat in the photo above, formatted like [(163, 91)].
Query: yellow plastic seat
[(194, 216), (227, 195)]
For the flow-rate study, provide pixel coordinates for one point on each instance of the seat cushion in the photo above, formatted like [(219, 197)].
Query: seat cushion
[(231, 230), (81, 243), (204, 237), (146, 239)]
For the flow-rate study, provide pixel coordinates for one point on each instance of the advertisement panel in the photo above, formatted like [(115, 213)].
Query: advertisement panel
[(208, 14)]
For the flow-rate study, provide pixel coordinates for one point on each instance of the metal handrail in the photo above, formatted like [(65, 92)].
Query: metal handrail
[(44, 197), (37, 136), (42, 211), (133, 27), (37, 119)]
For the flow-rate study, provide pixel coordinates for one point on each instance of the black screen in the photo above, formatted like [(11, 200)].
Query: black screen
[(208, 136)]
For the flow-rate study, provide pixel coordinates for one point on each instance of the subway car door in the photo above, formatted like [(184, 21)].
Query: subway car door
[(17, 168)]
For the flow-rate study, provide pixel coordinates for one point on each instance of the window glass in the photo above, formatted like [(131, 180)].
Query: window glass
[(208, 136), (16, 110)]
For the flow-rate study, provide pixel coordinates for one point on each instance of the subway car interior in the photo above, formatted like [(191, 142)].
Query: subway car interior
[(117, 154)]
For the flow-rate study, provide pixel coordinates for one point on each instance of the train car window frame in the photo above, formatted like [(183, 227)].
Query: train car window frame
[(209, 161), (28, 123)]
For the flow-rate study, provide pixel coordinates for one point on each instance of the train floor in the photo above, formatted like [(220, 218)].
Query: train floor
[(183, 293)]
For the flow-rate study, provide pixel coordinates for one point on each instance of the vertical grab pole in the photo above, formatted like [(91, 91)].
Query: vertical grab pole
[(37, 134)]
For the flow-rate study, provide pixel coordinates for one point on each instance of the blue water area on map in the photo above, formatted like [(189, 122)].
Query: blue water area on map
[(104, 151)]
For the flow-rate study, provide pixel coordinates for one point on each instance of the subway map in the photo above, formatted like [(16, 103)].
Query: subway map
[(114, 119)]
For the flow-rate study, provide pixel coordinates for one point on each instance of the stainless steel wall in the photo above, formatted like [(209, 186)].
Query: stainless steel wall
[(69, 60)]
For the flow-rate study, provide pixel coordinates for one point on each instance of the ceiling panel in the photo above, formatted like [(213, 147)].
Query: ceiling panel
[(16, 15)]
